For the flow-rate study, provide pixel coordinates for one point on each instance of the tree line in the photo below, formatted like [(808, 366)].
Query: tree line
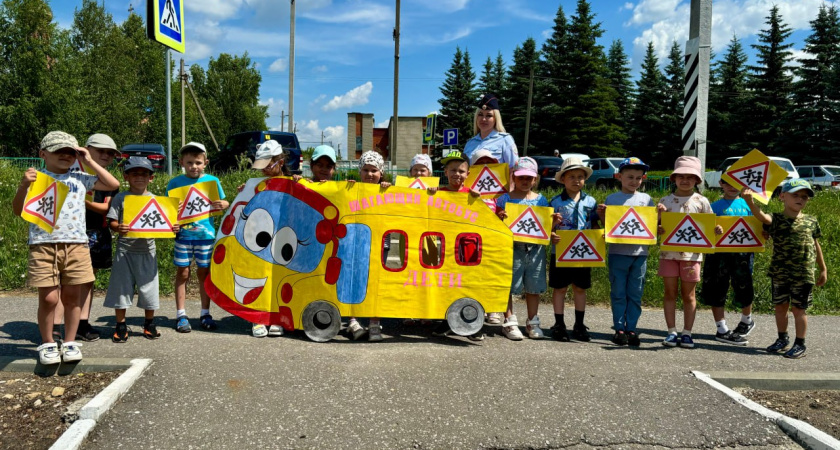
[(585, 100), (99, 76)]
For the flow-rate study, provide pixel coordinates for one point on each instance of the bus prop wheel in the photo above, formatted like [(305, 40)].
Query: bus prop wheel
[(465, 317), (321, 321)]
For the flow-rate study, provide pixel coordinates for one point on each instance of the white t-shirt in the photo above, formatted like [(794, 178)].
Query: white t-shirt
[(70, 226), (696, 203)]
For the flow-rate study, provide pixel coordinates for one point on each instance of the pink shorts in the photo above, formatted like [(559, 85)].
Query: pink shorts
[(687, 271)]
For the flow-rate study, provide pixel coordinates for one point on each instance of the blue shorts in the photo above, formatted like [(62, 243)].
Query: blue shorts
[(528, 269), (185, 251)]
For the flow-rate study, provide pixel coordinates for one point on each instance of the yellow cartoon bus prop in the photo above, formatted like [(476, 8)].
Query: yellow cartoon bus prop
[(302, 255)]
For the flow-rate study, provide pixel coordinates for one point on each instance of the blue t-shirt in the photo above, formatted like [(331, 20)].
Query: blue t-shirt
[(204, 229), (500, 145), (505, 199), (635, 199), (735, 207)]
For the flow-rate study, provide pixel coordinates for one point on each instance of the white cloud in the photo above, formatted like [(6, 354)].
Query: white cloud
[(445, 6), (383, 124), (309, 135), (359, 95), (355, 13), (279, 65), (218, 9), (516, 8), (275, 106), (318, 99), (547, 33)]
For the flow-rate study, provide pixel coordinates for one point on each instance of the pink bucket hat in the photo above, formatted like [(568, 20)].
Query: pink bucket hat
[(688, 165)]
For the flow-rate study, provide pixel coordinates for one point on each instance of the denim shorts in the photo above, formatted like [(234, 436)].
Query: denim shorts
[(185, 251), (528, 269)]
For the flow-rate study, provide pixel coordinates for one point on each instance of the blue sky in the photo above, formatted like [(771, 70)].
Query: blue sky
[(344, 50)]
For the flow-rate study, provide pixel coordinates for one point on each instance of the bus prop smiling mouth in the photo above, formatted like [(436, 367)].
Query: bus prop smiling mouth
[(246, 290)]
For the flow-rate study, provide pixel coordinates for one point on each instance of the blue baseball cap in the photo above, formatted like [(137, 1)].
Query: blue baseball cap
[(633, 163), (797, 184), (137, 162), (323, 150)]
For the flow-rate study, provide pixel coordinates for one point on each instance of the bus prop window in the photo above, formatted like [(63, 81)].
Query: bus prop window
[(394, 250), (468, 249), (432, 250)]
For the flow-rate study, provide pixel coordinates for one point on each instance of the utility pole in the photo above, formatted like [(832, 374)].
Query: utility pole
[(168, 112), (322, 137), (183, 78), (282, 119), (292, 67), (697, 54), (395, 124), (201, 112), (528, 112)]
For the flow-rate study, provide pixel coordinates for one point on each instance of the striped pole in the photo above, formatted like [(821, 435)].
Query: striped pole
[(698, 51), (692, 82)]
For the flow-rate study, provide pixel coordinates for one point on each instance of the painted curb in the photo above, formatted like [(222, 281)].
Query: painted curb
[(74, 436), (804, 434)]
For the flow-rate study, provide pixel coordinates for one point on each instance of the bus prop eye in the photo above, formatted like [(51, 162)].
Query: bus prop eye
[(284, 246), (258, 228)]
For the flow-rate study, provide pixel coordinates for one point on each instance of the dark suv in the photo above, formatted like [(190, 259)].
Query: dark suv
[(246, 144), (154, 152)]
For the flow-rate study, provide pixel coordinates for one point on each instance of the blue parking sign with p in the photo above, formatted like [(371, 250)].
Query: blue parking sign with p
[(450, 136), (165, 23)]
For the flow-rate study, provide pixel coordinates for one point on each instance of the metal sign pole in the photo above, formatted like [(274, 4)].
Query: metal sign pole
[(168, 113)]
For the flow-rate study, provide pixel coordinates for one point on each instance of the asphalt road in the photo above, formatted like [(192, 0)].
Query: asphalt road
[(226, 389)]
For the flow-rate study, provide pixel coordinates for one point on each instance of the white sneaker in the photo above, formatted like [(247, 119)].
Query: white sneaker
[(48, 354), (493, 318), (355, 330), (533, 328), (258, 330), (511, 329), (275, 330), (71, 352)]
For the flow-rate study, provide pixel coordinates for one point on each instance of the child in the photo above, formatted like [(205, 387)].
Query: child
[(528, 259), (59, 262), (682, 268), (573, 210), (796, 248), (194, 240), (135, 261), (271, 161), (723, 268), (481, 157), (627, 263), (322, 163), (371, 165), (421, 166)]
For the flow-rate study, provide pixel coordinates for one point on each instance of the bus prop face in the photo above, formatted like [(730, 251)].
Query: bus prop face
[(301, 255)]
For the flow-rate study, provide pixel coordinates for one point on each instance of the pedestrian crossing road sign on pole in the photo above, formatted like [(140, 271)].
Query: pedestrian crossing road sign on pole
[(165, 23)]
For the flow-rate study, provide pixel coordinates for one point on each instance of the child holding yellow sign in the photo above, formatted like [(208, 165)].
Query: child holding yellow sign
[(135, 260), (59, 261), (682, 269)]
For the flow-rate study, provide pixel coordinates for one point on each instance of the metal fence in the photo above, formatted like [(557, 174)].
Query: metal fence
[(21, 163)]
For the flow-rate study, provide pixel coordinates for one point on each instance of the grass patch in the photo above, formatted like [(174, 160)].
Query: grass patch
[(13, 248)]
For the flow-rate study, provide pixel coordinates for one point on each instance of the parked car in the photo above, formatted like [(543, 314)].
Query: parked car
[(821, 177), (246, 143), (582, 157), (712, 179), (547, 166), (155, 153), (603, 172)]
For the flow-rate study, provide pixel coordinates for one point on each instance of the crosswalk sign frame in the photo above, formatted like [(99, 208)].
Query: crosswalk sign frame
[(157, 30)]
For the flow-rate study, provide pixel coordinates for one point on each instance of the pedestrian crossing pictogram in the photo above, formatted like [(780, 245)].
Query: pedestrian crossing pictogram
[(581, 249), (196, 205), (741, 234), (45, 205), (151, 218), (631, 225), (487, 183)]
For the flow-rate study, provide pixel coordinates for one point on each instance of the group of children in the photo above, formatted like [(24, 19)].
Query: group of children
[(62, 263)]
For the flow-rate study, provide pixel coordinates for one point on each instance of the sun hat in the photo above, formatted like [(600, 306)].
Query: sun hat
[(57, 140), (193, 145), (137, 162), (796, 185), (100, 140), (478, 154), (265, 152), (323, 150), (525, 167), (422, 158), (633, 163), (572, 163), (689, 165), (452, 156), (372, 158)]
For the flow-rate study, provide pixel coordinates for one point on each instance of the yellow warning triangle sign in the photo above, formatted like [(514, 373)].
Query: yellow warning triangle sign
[(528, 225), (417, 184), (44, 206), (151, 218), (631, 225), (487, 183), (581, 249), (687, 233), (757, 172), (740, 236), (196, 206)]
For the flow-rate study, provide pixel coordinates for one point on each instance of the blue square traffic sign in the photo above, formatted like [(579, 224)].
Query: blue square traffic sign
[(450, 137)]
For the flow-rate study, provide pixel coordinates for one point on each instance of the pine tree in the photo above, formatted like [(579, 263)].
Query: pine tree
[(493, 77), (728, 106), (457, 106), (515, 109), (816, 108), (647, 123), (552, 101), (500, 76), (674, 105), (618, 68), (771, 82), (593, 113)]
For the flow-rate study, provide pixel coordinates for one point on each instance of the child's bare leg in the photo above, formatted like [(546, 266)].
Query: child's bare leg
[(689, 298), (800, 320), (120, 315), (85, 300), (718, 313), (509, 311), (149, 314), (70, 299), (58, 316), (747, 310), (670, 301), (558, 298), (533, 303), (782, 317), (580, 298), (47, 301), (205, 298), (182, 275)]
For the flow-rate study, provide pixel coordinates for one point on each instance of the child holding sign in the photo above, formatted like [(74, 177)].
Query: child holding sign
[(194, 240), (796, 248), (135, 260), (725, 268), (59, 261), (682, 269), (528, 259), (627, 263)]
